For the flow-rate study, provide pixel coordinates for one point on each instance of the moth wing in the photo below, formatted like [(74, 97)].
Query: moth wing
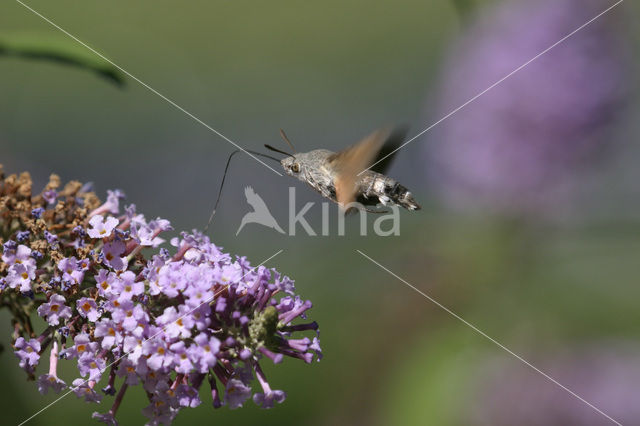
[(388, 151), (348, 163)]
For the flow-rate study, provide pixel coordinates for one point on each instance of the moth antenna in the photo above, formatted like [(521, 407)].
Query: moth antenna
[(224, 176), (270, 148), (286, 139)]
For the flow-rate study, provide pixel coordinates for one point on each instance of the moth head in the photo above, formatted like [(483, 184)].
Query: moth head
[(291, 165)]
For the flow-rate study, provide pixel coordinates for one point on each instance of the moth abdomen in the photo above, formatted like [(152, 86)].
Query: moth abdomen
[(378, 188)]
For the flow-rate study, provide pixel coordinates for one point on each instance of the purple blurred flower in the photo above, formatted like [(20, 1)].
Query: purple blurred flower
[(518, 147), (22, 236), (52, 239), (37, 212), (606, 375), (50, 196)]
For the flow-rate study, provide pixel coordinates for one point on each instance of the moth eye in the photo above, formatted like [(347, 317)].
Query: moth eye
[(295, 167)]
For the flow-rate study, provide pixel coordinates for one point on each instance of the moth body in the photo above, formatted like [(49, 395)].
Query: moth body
[(320, 170)]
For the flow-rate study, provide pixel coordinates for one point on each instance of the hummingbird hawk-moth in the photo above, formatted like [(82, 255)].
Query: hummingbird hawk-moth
[(345, 177), (353, 174)]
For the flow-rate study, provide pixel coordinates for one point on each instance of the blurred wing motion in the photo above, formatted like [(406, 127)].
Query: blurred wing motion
[(387, 152), (348, 163)]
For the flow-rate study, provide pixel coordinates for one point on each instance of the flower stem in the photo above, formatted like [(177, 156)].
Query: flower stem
[(118, 400)]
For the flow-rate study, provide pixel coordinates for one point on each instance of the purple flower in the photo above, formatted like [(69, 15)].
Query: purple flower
[(181, 361), (127, 369), (166, 322), (50, 381), (131, 316), (52, 239), (101, 227), (315, 346), (82, 346), (50, 196), (83, 389), (187, 396), (113, 200), (266, 400), (203, 352), (107, 418), (127, 287), (105, 281), (71, 270), (23, 236), (132, 346), (159, 355), (88, 308), (112, 252), (9, 246), (37, 212), (147, 234), (54, 310), (79, 231), (268, 397), (171, 281), (14, 253), (91, 365), (199, 292), (20, 276), (230, 273), (112, 205), (284, 283), (27, 352), (236, 393), (36, 255), (160, 410), (177, 323), (107, 331)]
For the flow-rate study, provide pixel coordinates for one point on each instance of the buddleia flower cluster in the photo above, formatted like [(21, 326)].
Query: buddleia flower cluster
[(171, 323)]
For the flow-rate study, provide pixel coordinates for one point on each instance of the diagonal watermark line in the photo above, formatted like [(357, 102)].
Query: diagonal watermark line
[(497, 83), (146, 86), (500, 345), (162, 330)]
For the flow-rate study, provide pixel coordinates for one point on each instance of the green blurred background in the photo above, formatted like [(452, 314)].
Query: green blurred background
[(327, 73)]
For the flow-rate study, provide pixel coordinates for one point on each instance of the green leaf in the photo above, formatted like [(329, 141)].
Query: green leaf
[(61, 50)]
